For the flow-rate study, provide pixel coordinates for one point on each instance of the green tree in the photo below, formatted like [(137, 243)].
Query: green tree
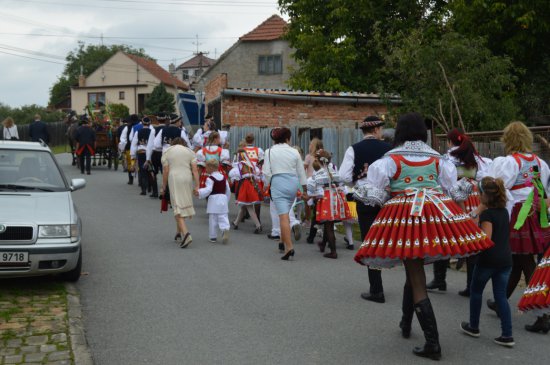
[(334, 39), (25, 114), (119, 110), (88, 58), (518, 29), (160, 101), (425, 70)]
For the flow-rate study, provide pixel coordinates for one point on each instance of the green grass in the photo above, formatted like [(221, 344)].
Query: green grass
[(61, 149)]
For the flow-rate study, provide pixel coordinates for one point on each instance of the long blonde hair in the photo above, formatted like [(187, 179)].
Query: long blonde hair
[(315, 145), (517, 138), (8, 122)]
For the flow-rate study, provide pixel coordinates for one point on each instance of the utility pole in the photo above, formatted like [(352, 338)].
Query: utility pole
[(200, 54)]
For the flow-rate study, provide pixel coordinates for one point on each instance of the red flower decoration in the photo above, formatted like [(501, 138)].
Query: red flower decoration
[(407, 179), (526, 175), (431, 177), (420, 178)]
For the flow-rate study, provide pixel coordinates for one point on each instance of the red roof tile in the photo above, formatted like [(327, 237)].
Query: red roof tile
[(198, 60), (164, 76), (270, 30)]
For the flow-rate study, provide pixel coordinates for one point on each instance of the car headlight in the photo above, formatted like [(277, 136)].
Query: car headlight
[(60, 231)]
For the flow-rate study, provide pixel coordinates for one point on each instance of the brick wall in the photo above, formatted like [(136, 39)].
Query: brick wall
[(213, 88), (259, 112)]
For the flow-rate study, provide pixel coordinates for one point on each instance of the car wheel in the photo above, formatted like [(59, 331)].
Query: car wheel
[(74, 274)]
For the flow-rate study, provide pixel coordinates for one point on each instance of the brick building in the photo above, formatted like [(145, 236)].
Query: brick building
[(238, 107)]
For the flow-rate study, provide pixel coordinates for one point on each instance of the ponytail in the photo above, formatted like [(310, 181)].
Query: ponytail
[(493, 192), (466, 150)]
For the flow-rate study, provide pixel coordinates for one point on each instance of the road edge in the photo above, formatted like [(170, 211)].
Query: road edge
[(77, 334)]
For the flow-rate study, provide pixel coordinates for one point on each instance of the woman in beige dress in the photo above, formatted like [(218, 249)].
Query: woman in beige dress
[(179, 172)]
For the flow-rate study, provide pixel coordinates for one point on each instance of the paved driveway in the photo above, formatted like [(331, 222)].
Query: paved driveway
[(146, 301)]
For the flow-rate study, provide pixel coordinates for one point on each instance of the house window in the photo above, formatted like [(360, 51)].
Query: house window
[(121, 95), (97, 100), (270, 65), (185, 74), (198, 72)]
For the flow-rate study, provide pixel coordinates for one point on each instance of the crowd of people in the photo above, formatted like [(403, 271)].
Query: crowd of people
[(413, 206)]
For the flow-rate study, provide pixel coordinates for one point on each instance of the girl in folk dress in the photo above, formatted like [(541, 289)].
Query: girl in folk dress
[(246, 176), (332, 207), (526, 179), (472, 167), (537, 294), (212, 150), (419, 223)]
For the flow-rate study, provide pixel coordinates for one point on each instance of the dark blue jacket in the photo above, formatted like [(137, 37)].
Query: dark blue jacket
[(39, 131)]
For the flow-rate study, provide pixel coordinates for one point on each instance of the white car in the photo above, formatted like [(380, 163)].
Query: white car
[(39, 224)]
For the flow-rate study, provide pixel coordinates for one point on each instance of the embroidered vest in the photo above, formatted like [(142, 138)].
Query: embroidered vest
[(465, 172), (169, 133), (411, 174), (526, 166), (252, 153), (143, 136), (219, 186), (208, 155)]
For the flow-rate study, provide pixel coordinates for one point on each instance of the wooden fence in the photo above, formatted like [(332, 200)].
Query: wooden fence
[(57, 130)]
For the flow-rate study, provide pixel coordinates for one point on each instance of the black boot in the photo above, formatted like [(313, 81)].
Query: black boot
[(155, 188), (426, 317), (542, 324), (408, 311), (312, 234), (440, 273), (130, 179)]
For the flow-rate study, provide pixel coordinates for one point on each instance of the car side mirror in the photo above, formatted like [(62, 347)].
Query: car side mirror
[(77, 184)]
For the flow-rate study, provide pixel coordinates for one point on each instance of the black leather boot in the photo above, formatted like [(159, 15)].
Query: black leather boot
[(542, 324), (426, 317), (408, 311), (440, 273), (155, 189), (312, 234)]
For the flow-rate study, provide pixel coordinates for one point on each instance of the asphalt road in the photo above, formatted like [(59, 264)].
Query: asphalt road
[(146, 301)]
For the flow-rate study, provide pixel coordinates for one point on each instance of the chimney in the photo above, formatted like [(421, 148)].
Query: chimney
[(172, 68), (81, 78)]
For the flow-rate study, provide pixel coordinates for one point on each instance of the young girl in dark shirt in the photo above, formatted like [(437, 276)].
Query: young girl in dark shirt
[(494, 263)]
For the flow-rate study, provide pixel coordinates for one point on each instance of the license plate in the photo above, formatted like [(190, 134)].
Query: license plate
[(14, 257)]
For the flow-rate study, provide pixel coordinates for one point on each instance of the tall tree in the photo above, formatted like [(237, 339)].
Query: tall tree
[(454, 80), (519, 29), (160, 101), (334, 39), (88, 58)]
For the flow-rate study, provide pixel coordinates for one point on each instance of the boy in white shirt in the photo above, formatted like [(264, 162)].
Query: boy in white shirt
[(218, 193)]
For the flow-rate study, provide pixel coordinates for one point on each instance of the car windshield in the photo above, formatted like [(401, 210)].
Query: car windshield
[(29, 170)]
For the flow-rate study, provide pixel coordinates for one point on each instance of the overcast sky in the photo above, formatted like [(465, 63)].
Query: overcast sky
[(36, 35)]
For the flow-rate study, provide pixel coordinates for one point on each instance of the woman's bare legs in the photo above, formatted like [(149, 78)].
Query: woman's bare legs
[(180, 225), (285, 231)]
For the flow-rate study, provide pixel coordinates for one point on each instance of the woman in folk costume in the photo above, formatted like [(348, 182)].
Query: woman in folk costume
[(471, 167), (246, 175), (536, 296), (418, 222), (526, 179), (212, 150), (332, 207)]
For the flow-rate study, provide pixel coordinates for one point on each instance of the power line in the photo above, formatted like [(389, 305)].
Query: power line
[(109, 37), (32, 58)]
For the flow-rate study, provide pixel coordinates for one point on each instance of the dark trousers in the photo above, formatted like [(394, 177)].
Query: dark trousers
[(157, 168), (366, 215), (86, 155), (142, 172)]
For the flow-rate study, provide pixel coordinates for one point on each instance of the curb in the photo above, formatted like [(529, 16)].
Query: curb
[(77, 334)]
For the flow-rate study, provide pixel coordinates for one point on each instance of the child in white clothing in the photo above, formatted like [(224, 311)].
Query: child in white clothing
[(218, 193)]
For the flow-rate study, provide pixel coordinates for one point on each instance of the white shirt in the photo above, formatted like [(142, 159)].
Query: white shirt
[(483, 163), (123, 140), (158, 145), (283, 159), (134, 147), (11, 132), (346, 169), (218, 203), (507, 169), (151, 143)]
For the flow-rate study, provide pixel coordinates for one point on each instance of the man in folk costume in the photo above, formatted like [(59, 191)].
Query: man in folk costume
[(124, 146), (85, 144), (165, 136), (353, 171), (154, 153), (138, 150)]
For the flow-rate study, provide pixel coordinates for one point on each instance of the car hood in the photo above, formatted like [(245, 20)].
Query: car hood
[(38, 208)]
